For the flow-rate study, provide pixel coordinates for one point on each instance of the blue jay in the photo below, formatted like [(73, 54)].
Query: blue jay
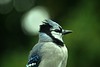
[(50, 51)]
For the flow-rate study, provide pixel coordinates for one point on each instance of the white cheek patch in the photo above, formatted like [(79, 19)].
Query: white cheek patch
[(57, 35)]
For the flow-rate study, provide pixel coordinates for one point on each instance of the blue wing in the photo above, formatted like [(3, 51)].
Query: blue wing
[(33, 62)]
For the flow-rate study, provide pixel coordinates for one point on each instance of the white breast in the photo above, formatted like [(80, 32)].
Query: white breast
[(53, 55), (65, 56)]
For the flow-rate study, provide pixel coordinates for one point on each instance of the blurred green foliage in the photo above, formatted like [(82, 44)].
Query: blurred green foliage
[(81, 16)]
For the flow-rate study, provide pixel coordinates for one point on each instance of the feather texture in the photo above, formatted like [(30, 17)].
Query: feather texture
[(33, 62)]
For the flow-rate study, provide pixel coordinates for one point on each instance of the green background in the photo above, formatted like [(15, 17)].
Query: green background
[(81, 16)]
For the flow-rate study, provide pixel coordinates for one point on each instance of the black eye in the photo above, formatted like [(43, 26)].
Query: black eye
[(58, 30)]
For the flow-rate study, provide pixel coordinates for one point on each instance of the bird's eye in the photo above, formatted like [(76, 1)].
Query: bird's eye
[(58, 30)]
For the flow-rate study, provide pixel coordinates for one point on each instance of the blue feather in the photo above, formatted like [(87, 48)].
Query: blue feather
[(33, 62)]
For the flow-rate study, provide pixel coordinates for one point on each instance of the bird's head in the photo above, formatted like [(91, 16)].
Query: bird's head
[(53, 30)]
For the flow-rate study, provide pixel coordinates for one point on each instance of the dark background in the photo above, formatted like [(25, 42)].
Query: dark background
[(81, 16)]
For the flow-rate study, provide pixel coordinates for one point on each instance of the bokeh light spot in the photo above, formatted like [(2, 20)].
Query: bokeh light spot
[(5, 7), (5, 1), (32, 19)]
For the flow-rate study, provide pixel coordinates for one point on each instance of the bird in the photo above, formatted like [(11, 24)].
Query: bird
[(50, 51)]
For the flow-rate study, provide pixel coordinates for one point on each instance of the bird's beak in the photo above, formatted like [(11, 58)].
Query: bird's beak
[(66, 32)]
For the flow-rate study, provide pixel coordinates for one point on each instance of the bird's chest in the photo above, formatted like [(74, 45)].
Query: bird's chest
[(53, 51), (64, 55), (53, 55), (64, 51)]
